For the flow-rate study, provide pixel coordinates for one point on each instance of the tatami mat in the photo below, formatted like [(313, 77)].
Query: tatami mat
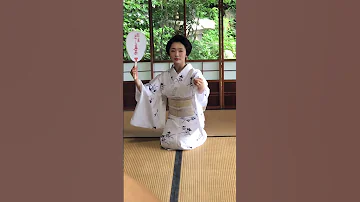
[(220, 122), (208, 173), (149, 165), (217, 123)]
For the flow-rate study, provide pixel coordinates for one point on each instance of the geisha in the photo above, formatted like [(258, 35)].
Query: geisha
[(184, 89)]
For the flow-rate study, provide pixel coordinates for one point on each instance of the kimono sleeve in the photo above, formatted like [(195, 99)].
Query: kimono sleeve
[(150, 111), (202, 98)]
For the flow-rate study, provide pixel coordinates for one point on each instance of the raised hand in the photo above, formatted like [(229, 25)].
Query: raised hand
[(200, 84), (134, 73)]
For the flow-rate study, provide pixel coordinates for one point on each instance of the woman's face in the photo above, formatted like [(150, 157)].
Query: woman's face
[(178, 53)]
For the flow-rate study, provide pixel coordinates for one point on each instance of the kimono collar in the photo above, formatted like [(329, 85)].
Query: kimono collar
[(183, 72)]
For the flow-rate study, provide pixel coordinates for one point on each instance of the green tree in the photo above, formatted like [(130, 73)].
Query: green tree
[(168, 19)]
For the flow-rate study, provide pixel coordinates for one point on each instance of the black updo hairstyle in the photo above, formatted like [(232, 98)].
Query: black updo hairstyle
[(181, 39)]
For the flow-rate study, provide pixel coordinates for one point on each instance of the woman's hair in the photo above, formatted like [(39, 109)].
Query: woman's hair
[(181, 39)]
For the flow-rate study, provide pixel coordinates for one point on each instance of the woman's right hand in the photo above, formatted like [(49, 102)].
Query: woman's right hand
[(134, 73)]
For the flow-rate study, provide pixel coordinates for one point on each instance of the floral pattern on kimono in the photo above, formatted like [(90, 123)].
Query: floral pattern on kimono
[(179, 133)]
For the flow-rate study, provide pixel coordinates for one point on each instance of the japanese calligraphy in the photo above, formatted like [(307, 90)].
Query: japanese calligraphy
[(135, 49)]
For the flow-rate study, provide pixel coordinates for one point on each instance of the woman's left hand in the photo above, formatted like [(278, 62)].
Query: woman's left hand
[(200, 84)]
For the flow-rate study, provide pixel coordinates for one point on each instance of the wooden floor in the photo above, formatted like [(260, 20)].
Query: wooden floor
[(205, 174)]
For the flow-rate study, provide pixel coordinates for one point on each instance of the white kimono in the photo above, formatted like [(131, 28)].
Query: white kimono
[(180, 132)]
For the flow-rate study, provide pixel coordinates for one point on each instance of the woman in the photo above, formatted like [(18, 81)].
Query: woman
[(186, 92)]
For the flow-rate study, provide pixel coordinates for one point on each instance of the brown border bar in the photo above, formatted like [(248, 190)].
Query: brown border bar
[(298, 101), (61, 114)]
